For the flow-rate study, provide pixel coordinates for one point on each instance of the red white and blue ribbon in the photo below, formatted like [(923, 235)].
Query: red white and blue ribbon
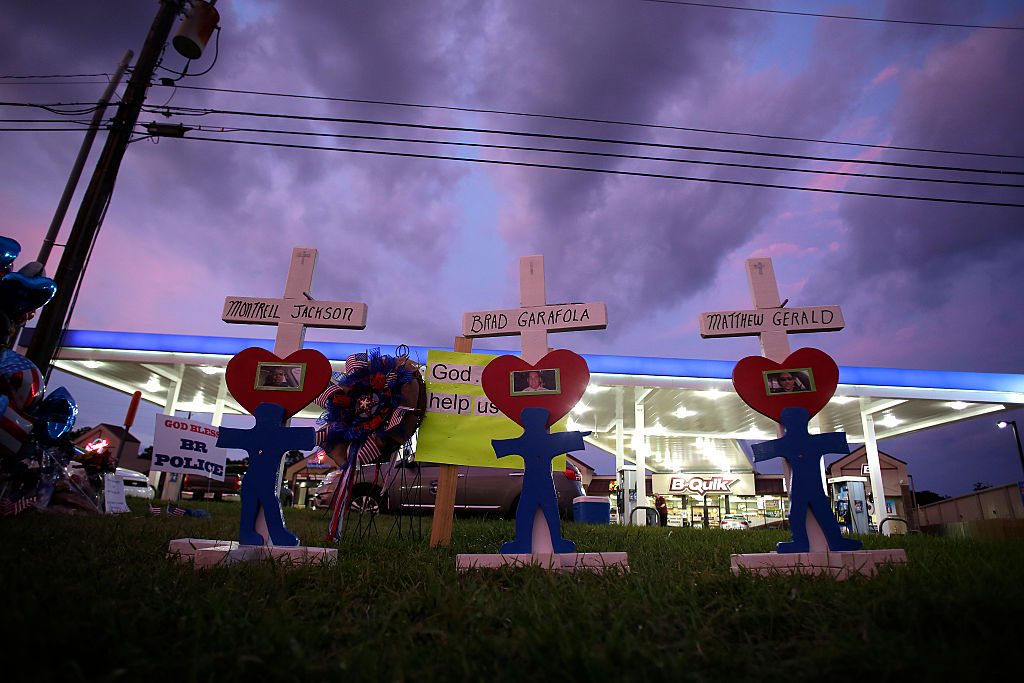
[(340, 499)]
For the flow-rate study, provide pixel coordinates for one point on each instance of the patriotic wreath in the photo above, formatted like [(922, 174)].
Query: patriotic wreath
[(370, 411)]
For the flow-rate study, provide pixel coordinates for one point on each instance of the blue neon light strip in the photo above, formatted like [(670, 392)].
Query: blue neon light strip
[(615, 365)]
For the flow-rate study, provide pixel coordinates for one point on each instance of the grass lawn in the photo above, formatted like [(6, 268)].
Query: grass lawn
[(93, 598)]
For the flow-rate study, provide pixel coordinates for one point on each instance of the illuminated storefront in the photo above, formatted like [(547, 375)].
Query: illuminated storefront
[(670, 416), (305, 475)]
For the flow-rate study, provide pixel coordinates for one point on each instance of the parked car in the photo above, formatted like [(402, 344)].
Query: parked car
[(198, 487), (735, 521), (493, 490), (135, 483)]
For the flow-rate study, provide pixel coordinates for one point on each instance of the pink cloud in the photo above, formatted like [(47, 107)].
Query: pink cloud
[(885, 74), (830, 181), (779, 249)]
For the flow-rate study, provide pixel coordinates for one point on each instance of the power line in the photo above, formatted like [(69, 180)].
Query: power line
[(42, 130), (832, 16), (9, 76), (550, 136), (20, 83), (607, 171), (611, 155), (583, 119), (85, 123), (88, 107)]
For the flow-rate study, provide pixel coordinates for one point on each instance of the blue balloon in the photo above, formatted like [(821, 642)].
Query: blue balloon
[(9, 250), (58, 410), (20, 294)]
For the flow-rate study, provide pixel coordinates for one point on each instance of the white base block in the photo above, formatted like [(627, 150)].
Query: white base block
[(841, 565), (566, 562), (183, 549), (207, 553)]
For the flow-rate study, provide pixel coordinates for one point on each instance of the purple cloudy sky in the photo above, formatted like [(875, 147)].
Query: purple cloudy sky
[(922, 284)]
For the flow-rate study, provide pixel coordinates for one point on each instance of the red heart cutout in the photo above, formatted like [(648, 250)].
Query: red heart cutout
[(304, 376), (814, 378), (564, 376)]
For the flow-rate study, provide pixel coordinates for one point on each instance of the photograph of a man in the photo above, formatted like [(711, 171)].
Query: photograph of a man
[(789, 381), (277, 377), (535, 382)]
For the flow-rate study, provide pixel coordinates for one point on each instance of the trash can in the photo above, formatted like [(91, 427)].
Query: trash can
[(591, 509)]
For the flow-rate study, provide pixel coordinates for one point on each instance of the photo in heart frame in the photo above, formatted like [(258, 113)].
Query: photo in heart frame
[(556, 382), (807, 378), (255, 375)]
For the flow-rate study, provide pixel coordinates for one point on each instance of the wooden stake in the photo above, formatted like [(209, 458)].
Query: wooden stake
[(447, 482)]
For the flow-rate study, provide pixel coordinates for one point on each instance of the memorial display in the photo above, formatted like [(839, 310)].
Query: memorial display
[(535, 391), (791, 388), (370, 411), (36, 467), (535, 413), (802, 451)]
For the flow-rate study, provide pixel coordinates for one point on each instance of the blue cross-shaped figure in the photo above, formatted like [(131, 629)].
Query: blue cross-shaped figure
[(803, 452), (266, 444), (538, 448)]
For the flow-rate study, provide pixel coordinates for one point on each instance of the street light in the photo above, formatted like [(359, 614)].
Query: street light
[(1016, 435)]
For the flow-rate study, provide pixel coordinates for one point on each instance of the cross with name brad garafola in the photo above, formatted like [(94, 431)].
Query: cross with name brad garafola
[(535, 317), (297, 310), (532, 321), (769, 320)]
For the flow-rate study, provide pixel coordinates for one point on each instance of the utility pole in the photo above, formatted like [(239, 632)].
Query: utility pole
[(69, 273), (83, 154)]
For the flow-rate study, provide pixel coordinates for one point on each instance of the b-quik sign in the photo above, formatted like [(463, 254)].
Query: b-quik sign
[(187, 447), (737, 484)]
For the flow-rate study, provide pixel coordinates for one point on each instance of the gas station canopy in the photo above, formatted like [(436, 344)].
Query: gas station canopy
[(687, 411)]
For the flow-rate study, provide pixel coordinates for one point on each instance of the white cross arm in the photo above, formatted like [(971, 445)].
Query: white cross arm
[(761, 320), (256, 311), (551, 318)]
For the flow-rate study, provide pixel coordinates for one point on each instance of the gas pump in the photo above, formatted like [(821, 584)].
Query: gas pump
[(626, 500), (851, 503)]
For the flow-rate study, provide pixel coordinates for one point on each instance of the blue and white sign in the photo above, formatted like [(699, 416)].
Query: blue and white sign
[(187, 447)]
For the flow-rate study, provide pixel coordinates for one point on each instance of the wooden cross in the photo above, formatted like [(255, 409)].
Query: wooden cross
[(531, 321), (773, 323), (292, 314), (535, 317), (297, 310), (769, 320)]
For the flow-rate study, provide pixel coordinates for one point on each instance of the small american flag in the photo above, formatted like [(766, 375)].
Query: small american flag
[(368, 452), (354, 362), (174, 510), (9, 508), (325, 396), (154, 510), (397, 416)]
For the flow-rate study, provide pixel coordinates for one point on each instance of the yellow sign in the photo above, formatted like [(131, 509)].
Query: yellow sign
[(460, 420)]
